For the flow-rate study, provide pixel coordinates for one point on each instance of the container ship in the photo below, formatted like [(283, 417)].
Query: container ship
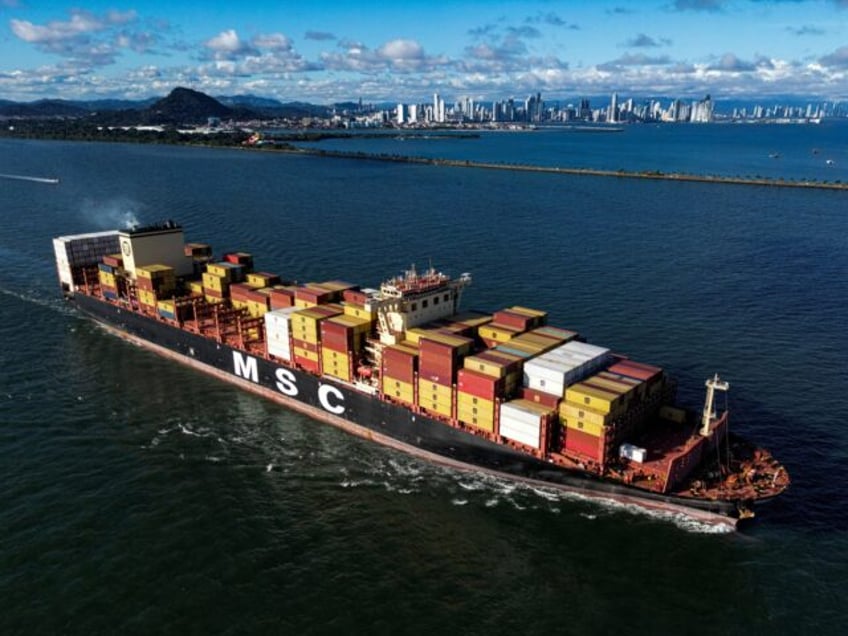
[(502, 392)]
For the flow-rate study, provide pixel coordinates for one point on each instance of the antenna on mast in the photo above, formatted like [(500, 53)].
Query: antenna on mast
[(713, 384)]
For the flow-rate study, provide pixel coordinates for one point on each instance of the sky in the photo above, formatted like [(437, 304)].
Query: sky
[(324, 51)]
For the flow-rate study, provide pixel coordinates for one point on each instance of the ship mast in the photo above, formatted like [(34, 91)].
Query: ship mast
[(713, 384)]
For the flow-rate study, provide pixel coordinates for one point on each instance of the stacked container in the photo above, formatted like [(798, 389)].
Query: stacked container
[(260, 280), (306, 335), (527, 423), (397, 374), (342, 338), (244, 296), (476, 398), (313, 294), (154, 282), (278, 332), (553, 371), (108, 275), (281, 296), (440, 359), (242, 259)]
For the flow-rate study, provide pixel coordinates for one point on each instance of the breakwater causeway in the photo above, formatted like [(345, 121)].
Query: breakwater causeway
[(590, 172)]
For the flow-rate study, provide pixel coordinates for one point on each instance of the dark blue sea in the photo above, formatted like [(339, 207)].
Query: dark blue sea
[(141, 497)]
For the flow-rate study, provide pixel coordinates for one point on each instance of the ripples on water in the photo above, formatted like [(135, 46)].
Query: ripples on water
[(139, 495)]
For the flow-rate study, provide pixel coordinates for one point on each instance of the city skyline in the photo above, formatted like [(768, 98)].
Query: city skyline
[(326, 52)]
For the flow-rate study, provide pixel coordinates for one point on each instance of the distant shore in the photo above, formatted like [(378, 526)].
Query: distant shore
[(287, 143), (591, 172)]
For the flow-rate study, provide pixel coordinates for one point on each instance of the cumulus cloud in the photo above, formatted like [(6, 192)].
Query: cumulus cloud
[(87, 37), (551, 19), (730, 63), (838, 59), (400, 55), (227, 45)]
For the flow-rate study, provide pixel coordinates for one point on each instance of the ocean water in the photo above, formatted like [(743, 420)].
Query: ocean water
[(143, 497)]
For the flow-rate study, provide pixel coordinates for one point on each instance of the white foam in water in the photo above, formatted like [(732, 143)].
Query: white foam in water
[(459, 502)]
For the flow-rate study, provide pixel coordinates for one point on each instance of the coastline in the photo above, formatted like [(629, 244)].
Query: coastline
[(589, 172)]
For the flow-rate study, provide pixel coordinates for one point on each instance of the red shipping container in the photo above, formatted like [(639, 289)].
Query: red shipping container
[(445, 379), (309, 365), (403, 375), (213, 292), (306, 346), (240, 291), (583, 444), (635, 370), (354, 296), (479, 384), (281, 298), (507, 318), (539, 397)]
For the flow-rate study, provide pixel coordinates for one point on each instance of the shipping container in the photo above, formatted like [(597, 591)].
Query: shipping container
[(524, 422), (479, 384), (584, 445), (498, 334), (196, 250), (260, 280), (597, 399), (540, 397), (281, 297)]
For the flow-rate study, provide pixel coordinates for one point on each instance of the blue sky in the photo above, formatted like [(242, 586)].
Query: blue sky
[(405, 50)]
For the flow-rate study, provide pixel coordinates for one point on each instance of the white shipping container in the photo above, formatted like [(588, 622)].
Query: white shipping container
[(279, 350), (521, 433)]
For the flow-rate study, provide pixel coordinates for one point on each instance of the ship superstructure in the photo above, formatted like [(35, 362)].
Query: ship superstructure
[(502, 391)]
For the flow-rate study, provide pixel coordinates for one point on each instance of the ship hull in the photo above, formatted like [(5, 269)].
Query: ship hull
[(367, 416)]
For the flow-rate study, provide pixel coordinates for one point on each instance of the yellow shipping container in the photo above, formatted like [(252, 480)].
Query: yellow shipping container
[(213, 299), (359, 311), (580, 412), (586, 426), (436, 407), (329, 356), (414, 335), (337, 371), (536, 313), (257, 309), (258, 280), (596, 399), (492, 368), (107, 279), (435, 398), (219, 269), (195, 287), (483, 422), (499, 334), (433, 388), (468, 401), (239, 304), (147, 297), (155, 272), (303, 353), (471, 319), (475, 415), (216, 282), (399, 390)]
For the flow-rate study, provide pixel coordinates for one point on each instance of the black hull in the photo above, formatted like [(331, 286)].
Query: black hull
[(366, 415)]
